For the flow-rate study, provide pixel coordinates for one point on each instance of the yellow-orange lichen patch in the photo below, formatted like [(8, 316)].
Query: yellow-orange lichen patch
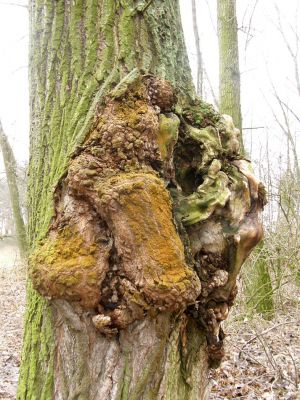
[(139, 211), (167, 134), (67, 266)]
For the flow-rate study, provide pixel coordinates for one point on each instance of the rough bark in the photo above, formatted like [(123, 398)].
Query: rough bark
[(229, 75), (138, 199), (11, 176)]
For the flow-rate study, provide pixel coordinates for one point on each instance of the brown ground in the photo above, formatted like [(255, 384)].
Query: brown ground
[(262, 362), (12, 305)]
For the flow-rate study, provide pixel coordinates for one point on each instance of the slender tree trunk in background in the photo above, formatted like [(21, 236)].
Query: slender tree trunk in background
[(259, 288), (229, 75), (199, 87), (124, 181), (11, 176)]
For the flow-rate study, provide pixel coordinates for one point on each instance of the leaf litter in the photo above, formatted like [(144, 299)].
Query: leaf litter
[(262, 359)]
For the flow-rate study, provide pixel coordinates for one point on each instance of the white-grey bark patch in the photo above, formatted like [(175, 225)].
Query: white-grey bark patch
[(143, 360)]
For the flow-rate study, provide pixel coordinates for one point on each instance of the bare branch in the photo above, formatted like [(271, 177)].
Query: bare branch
[(267, 331), (215, 99), (14, 4), (249, 36), (293, 53), (211, 17), (290, 110), (254, 127)]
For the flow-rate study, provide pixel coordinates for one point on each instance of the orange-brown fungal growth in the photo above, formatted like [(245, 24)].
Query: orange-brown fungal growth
[(156, 213), (68, 267), (138, 211), (73, 260)]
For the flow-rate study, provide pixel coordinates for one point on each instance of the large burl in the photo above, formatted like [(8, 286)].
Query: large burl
[(156, 213)]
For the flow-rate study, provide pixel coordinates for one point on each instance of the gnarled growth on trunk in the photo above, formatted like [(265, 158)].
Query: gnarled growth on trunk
[(114, 247)]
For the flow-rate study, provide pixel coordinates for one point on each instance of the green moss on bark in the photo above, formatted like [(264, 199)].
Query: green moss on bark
[(65, 266), (37, 366)]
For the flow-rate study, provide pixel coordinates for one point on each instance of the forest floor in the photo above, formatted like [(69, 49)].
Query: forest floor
[(12, 307), (262, 360)]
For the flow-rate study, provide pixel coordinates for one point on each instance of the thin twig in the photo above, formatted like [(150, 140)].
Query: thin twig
[(295, 369), (198, 51), (14, 4), (267, 331), (254, 127), (249, 26)]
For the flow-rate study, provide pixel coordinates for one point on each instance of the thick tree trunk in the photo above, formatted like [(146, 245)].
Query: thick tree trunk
[(11, 176), (119, 145), (229, 76)]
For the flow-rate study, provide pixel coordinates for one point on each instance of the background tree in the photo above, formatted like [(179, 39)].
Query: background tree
[(199, 85), (229, 72), (11, 176), (6, 217), (109, 146)]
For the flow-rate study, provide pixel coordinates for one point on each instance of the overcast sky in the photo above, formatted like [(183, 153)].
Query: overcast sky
[(265, 60), (14, 111)]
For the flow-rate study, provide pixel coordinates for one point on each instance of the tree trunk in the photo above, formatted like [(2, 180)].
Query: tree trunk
[(229, 75), (11, 176), (125, 180)]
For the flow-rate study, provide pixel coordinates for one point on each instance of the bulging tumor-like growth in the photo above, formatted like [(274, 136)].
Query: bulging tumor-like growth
[(157, 212)]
